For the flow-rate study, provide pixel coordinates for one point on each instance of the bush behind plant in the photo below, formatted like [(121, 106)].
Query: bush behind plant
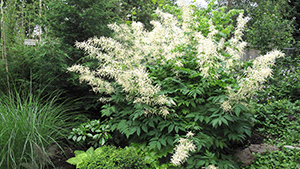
[(285, 82)]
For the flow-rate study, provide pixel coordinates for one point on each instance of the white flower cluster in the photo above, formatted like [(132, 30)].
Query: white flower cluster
[(182, 149), (124, 58)]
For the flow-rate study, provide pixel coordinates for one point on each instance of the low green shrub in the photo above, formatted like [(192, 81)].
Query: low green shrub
[(286, 158), (279, 119), (28, 126), (108, 157), (93, 133)]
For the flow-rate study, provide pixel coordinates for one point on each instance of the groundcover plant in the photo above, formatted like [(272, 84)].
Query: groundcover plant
[(184, 76)]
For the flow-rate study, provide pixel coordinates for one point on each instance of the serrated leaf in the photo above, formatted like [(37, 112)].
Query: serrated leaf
[(74, 161), (237, 111), (158, 145), (228, 117), (152, 145), (170, 140), (214, 122), (170, 128), (162, 141), (145, 128), (224, 121), (90, 151)]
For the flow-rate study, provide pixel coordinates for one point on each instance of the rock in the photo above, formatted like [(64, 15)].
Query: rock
[(291, 147), (247, 155), (262, 148)]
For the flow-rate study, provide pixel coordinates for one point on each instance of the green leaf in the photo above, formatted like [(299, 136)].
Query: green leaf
[(128, 22), (90, 151), (74, 161), (151, 124), (190, 115), (102, 141), (74, 138), (151, 133), (224, 121), (154, 1), (237, 111), (193, 104), (162, 141), (228, 117), (170, 128), (79, 138), (158, 145), (138, 131), (214, 122), (170, 140), (176, 129), (145, 128)]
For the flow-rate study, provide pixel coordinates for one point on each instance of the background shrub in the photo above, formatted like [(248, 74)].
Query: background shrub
[(285, 82)]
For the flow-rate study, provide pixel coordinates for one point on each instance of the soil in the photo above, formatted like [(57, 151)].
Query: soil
[(59, 156)]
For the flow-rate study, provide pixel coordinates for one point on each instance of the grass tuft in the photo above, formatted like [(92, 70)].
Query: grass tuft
[(28, 126)]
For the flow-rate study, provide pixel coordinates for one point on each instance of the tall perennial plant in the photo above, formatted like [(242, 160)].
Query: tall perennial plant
[(160, 84)]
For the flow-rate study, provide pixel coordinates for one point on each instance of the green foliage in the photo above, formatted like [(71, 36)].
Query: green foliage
[(153, 158), (197, 110), (140, 11), (36, 67), (222, 19), (108, 157), (198, 97), (285, 83), (268, 27), (285, 158), (280, 119), (93, 133), (28, 126)]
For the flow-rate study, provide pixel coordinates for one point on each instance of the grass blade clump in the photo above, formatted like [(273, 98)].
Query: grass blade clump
[(28, 125)]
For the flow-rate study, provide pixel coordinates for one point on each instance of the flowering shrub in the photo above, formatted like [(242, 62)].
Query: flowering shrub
[(160, 84)]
